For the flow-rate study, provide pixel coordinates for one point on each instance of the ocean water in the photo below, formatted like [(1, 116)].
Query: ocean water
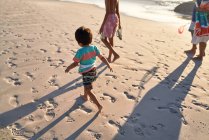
[(156, 10)]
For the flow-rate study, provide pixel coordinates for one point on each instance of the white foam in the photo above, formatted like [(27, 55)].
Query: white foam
[(155, 10)]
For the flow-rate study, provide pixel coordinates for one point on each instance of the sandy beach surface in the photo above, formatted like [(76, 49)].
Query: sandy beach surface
[(156, 92)]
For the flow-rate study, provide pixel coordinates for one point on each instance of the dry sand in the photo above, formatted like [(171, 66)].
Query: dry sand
[(156, 92)]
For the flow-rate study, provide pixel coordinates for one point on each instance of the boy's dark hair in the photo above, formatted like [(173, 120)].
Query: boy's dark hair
[(83, 35)]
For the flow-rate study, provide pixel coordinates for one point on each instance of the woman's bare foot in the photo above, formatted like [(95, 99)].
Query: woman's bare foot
[(85, 98), (109, 59), (115, 58), (100, 108)]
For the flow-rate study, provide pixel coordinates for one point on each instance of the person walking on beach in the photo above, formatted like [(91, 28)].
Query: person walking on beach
[(201, 29), (109, 25), (86, 56), (191, 29)]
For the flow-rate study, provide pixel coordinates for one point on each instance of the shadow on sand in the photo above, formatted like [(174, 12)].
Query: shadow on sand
[(78, 101), (157, 116), (17, 113)]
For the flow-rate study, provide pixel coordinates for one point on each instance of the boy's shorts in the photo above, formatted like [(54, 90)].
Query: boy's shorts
[(89, 77)]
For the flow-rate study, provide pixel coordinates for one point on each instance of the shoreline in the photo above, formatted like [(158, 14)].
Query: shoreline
[(177, 17)]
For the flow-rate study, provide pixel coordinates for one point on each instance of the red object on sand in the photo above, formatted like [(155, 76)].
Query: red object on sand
[(181, 29)]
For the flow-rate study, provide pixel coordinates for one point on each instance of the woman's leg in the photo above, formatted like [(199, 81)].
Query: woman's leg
[(111, 50), (110, 53), (194, 47)]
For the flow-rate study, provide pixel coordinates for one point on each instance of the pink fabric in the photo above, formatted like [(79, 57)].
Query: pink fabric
[(110, 25)]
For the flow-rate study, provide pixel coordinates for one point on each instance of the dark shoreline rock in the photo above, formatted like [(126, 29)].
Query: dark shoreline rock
[(185, 8)]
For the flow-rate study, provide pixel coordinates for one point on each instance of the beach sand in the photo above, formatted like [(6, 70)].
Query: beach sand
[(156, 92)]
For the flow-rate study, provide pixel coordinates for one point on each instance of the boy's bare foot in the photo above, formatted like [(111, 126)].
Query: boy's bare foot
[(85, 98), (115, 58), (198, 58), (100, 108)]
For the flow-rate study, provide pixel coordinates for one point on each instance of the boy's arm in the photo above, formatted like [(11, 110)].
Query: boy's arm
[(104, 60), (71, 66)]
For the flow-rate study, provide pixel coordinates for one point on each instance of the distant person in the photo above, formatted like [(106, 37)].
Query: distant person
[(86, 56), (200, 35), (109, 25)]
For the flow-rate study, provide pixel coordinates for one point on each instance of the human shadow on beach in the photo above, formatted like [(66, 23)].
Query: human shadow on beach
[(78, 101), (17, 113), (80, 130), (145, 79), (158, 115)]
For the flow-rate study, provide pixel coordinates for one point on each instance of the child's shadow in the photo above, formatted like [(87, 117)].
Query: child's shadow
[(78, 101), (17, 113)]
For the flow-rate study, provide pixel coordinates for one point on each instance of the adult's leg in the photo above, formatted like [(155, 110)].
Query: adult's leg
[(194, 47), (202, 48), (111, 50), (110, 53)]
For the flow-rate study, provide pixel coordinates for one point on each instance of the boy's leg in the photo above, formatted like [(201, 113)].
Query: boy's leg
[(111, 50), (85, 95), (92, 97)]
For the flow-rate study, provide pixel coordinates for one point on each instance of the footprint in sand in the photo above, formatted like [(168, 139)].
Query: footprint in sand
[(43, 50), (10, 63), (49, 115), (30, 76), (29, 46), (13, 101), (137, 53), (56, 63), (19, 132), (85, 109), (111, 75), (58, 50), (138, 131), (69, 119), (13, 81), (202, 105), (111, 98), (49, 107), (53, 81), (118, 126), (4, 52), (51, 104), (94, 134), (129, 96), (34, 90)]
